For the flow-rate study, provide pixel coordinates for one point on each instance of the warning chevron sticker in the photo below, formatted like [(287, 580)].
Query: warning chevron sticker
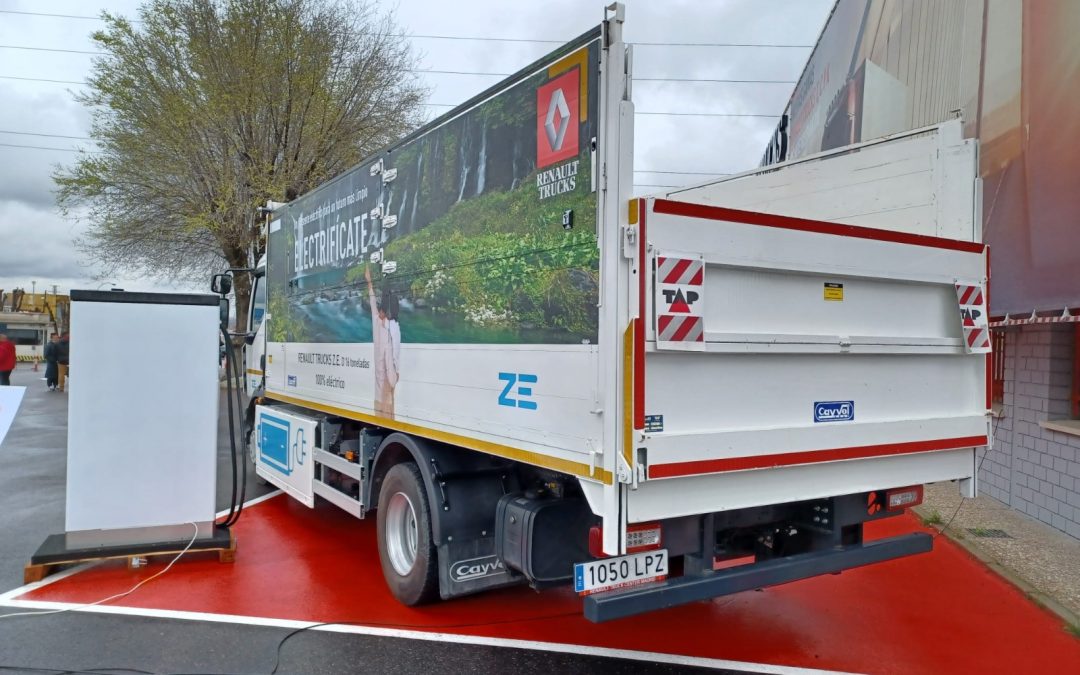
[(972, 304), (680, 301), (671, 270), (680, 328)]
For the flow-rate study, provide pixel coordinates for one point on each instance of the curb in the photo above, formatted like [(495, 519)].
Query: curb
[(1071, 619)]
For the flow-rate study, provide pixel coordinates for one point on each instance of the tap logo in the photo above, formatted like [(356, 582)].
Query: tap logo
[(557, 114)]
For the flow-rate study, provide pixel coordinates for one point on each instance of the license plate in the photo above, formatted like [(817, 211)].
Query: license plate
[(629, 570)]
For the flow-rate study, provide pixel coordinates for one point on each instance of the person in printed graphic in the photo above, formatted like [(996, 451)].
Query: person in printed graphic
[(386, 338)]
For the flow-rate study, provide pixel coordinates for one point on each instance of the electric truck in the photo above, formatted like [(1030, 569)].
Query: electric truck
[(532, 377)]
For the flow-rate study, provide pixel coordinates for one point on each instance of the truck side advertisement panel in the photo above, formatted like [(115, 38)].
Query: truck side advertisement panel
[(453, 280)]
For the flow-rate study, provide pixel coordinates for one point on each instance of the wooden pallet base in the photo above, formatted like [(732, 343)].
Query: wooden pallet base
[(37, 571)]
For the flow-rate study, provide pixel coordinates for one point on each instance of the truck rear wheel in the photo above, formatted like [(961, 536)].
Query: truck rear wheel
[(406, 549)]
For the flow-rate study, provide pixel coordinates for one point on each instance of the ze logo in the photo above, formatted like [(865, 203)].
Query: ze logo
[(678, 301), (970, 316), (557, 107), (524, 394)]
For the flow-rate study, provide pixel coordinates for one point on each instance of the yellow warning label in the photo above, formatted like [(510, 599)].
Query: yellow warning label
[(834, 291)]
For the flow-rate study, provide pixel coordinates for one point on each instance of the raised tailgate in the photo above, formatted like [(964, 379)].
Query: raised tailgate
[(790, 359)]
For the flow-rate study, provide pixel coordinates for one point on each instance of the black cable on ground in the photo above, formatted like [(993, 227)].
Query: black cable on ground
[(406, 626), (959, 506)]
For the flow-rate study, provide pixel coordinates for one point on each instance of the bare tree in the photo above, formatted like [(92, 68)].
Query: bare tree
[(204, 109)]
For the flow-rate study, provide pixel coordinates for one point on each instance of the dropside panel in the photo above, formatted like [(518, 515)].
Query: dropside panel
[(922, 181)]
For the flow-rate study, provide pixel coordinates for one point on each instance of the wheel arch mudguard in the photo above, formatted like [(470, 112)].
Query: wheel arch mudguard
[(463, 487)]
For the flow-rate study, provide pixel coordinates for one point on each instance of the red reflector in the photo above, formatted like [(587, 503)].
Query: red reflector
[(596, 541), (643, 537), (902, 498)]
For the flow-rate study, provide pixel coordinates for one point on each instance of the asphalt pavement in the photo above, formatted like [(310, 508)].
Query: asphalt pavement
[(32, 483)]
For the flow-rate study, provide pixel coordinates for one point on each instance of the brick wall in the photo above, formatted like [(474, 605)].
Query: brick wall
[(1033, 469)]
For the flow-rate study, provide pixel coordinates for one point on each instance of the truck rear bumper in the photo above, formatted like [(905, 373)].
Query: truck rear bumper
[(681, 590)]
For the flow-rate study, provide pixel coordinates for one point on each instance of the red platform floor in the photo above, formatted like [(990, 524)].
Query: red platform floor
[(933, 613)]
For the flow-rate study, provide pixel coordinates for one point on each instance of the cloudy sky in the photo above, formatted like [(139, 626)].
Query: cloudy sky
[(36, 243)]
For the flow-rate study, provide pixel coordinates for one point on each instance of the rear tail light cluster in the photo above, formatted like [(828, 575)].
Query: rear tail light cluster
[(641, 537), (901, 498), (644, 537)]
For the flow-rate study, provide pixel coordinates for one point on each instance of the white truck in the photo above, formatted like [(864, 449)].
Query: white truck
[(533, 378)]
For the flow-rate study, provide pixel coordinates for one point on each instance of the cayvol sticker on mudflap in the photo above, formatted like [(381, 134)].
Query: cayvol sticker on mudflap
[(476, 568)]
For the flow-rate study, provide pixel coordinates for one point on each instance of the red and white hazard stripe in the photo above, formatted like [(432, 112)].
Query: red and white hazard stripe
[(685, 271), (680, 328), (1064, 317), (969, 295), (973, 317), (977, 338)]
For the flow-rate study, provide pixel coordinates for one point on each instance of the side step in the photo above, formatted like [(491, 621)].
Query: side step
[(681, 590), (332, 494)]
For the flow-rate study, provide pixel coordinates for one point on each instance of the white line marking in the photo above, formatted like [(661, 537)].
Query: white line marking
[(586, 650), (53, 578)]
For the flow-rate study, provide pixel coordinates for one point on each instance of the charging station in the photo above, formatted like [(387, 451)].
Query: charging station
[(142, 427)]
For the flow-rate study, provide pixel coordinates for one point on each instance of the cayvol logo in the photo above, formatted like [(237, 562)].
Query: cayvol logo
[(557, 117), (476, 568), (834, 411)]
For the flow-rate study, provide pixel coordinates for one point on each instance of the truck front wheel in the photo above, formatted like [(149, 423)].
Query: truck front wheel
[(406, 550)]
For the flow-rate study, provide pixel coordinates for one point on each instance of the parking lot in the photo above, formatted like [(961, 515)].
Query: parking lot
[(296, 567)]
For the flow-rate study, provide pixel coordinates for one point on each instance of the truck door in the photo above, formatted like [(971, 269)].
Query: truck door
[(255, 347)]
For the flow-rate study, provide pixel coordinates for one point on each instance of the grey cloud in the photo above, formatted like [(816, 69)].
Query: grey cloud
[(37, 245), (36, 242), (25, 172)]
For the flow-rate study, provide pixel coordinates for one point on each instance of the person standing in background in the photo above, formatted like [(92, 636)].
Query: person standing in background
[(7, 360), (62, 361), (52, 362)]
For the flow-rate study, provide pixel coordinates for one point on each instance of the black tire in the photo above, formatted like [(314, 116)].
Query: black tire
[(421, 583)]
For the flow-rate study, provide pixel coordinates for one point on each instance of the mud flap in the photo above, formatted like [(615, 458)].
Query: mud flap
[(467, 567)]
